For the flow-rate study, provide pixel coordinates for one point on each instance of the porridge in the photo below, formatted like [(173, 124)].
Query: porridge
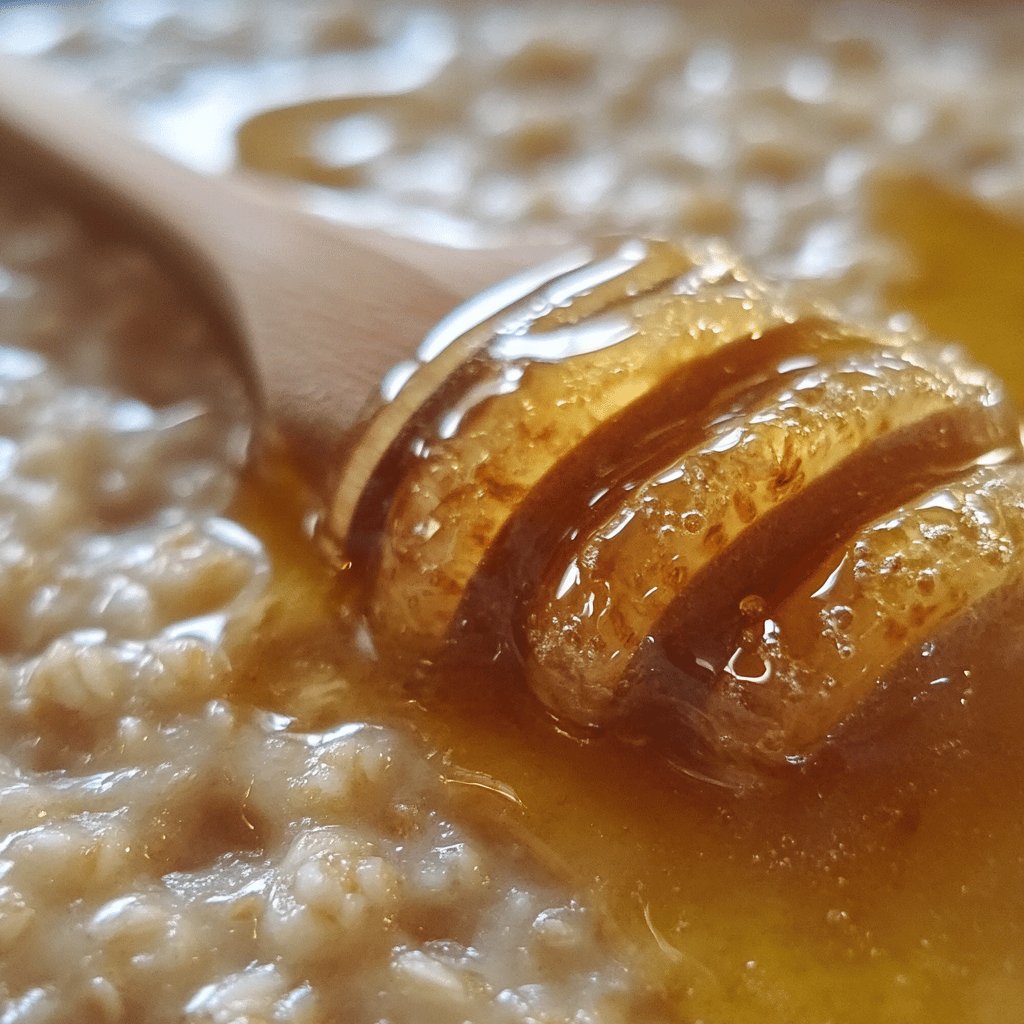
[(215, 804), (170, 852)]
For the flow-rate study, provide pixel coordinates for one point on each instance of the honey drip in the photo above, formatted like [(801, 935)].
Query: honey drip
[(684, 504)]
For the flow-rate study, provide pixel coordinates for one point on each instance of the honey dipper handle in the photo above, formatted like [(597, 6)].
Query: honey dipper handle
[(322, 311)]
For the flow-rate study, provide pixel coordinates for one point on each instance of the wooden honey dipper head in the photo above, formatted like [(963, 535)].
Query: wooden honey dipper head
[(669, 493)]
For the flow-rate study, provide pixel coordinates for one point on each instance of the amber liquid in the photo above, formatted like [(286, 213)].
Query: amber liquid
[(884, 882)]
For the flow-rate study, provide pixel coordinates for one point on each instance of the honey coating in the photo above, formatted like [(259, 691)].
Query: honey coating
[(889, 592), (762, 471), (647, 456), (561, 368)]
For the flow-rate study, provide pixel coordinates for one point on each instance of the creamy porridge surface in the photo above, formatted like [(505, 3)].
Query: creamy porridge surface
[(168, 854), (169, 849)]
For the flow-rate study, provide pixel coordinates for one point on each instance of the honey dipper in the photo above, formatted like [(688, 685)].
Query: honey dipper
[(635, 471)]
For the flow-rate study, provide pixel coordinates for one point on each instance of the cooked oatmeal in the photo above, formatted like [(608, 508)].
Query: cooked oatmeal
[(169, 853), (213, 807)]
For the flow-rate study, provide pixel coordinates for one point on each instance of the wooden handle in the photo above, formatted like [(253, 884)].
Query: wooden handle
[(322, 311)]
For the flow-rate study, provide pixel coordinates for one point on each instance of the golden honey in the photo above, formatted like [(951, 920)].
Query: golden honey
[(881, 880)]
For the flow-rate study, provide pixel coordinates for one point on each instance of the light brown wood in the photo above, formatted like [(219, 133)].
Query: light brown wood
[(322, 311)]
